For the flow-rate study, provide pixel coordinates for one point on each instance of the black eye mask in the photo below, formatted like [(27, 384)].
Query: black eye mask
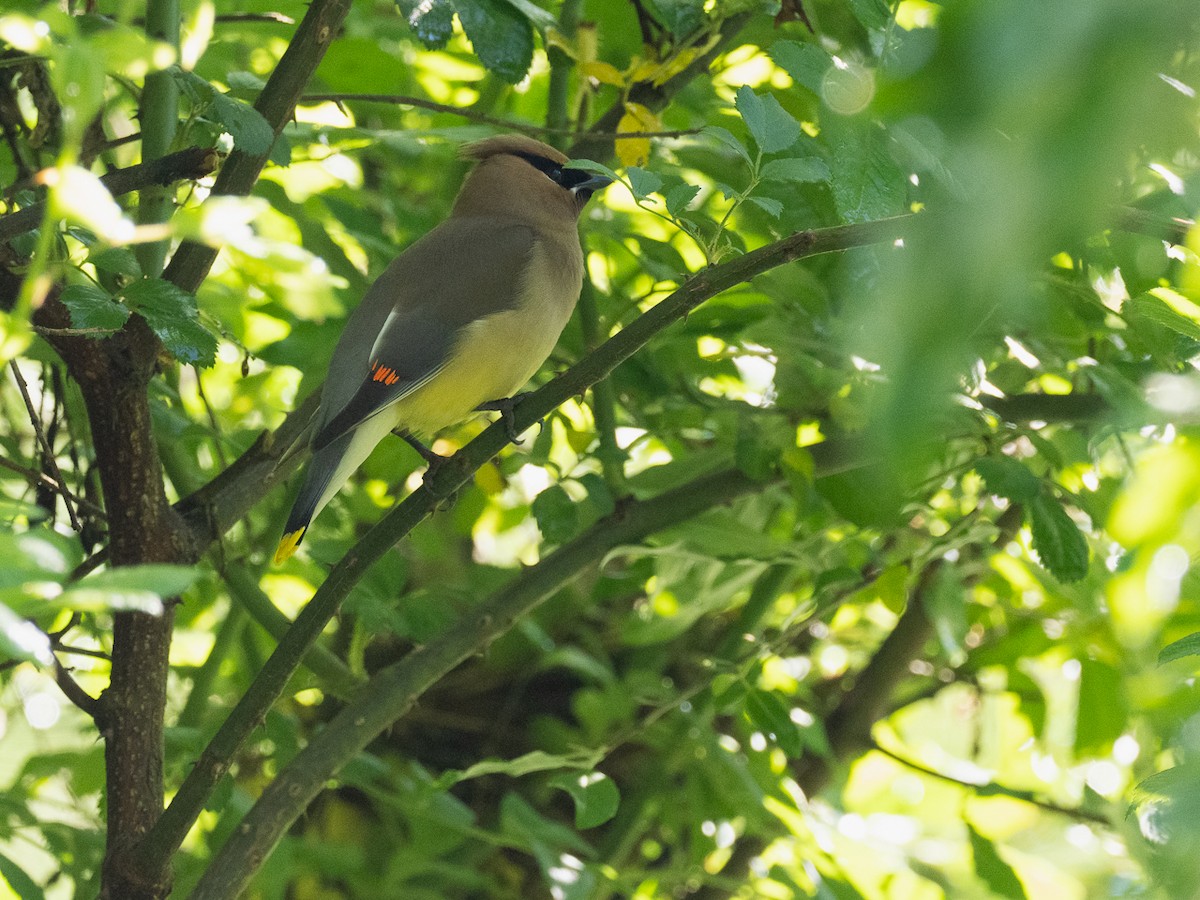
[(568, 179)]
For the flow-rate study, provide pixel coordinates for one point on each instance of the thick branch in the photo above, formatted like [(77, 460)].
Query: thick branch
[(393, 690), (324, 18), (269, 683), (186, 165)]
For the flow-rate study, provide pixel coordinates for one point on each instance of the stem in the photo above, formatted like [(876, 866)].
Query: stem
[(561, 65), (159, 116), (604, 401)]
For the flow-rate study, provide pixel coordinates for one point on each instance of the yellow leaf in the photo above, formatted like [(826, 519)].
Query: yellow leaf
[(642, 69), (674, 66), (637, 118), (603, 72), (489, 480)]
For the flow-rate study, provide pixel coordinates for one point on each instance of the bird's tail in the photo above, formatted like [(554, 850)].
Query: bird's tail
[(315, 492)]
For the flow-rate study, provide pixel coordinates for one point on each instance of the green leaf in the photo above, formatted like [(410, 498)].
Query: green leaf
[(946, 608), (679, 197), (681, 17), (772, 717), (157, 578), (18, 879), (806, 63), (769, 205), (992, 869), (725, 136), (526, 764), (1006, 477), (556, 513), (1184, 647), (21, 639), (120, 260), (93, 307), (772, 127), (804, 169), (1152, 309), (595, 168), (1059, 543), (245, 124), (531, 829), (172, 314), (499, 35), (871, 13), (866, 183), (595, 794), (432, 20), (538, 17), (642, 183), (1103, 710)]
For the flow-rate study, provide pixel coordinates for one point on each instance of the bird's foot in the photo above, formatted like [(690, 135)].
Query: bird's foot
[(431, 458), (505, 406)]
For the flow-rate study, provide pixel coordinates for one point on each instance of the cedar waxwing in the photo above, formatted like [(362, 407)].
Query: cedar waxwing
[(464, 316)]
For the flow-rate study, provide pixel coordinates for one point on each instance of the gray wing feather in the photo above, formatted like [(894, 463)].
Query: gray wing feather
[(408, 322)]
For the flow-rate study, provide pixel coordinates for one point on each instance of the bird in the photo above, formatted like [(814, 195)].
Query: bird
[(463, 318)]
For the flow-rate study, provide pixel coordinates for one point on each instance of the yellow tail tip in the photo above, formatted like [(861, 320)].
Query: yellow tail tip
[(288, 545)]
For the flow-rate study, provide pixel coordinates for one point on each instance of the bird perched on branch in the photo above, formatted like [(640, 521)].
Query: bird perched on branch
[(463, 317)]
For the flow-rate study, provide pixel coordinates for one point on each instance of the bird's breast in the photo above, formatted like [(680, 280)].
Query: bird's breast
[(493, 357)]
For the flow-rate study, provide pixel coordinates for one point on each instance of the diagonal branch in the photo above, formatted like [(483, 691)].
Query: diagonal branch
[(167, 836)]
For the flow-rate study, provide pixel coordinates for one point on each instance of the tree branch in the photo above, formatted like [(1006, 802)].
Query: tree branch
[(167, 836), (186, 165), (394, 689), (191, 262)]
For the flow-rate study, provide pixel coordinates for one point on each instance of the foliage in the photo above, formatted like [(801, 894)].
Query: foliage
[(871, 575)]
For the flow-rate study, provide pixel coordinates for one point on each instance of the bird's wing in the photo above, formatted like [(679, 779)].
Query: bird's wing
[(406, 327)]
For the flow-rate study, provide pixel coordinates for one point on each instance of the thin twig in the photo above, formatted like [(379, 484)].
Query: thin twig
[(34, 477), (991, 789), (271, 17), (47, 450), (82, 651), (74, 692), (529, 128)]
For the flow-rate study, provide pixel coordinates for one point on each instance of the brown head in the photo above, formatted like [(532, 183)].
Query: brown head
[(519, 178)]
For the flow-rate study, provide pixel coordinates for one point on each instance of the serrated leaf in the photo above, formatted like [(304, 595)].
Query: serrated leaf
[(245, 124), (595, 794), (772, 127), (538, 17), (432, 20), (1006, 477), (93, 307), (594, 167), (806, 63), (556, 514), (1180, 649), (643, 183), (992, 869), (1154, 309), (120, 260), (1057, 540), (769, 205), (804, 169), (681, 17), (500, 36), (726, 137), (679, 197), (871, 13), (866, 182), (172, 314)]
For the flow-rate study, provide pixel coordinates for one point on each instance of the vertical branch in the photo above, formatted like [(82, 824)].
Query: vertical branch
[(159, 115), (561, 64)]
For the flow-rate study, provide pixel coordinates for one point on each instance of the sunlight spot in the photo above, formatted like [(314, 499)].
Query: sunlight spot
[(42, 710), (1071, 669), (1126, 749), (1104, 778)]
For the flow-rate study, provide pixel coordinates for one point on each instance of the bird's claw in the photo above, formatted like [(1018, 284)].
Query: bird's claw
[(505, 406)]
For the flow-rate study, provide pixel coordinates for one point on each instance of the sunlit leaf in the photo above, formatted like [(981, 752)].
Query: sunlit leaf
[(92, 307), (500, 36), (993, 870), (1057, 540), (595, 794), (773, 128), (173, 316)]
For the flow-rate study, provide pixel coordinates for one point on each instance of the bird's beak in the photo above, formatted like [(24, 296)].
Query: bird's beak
[(585, 189)]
